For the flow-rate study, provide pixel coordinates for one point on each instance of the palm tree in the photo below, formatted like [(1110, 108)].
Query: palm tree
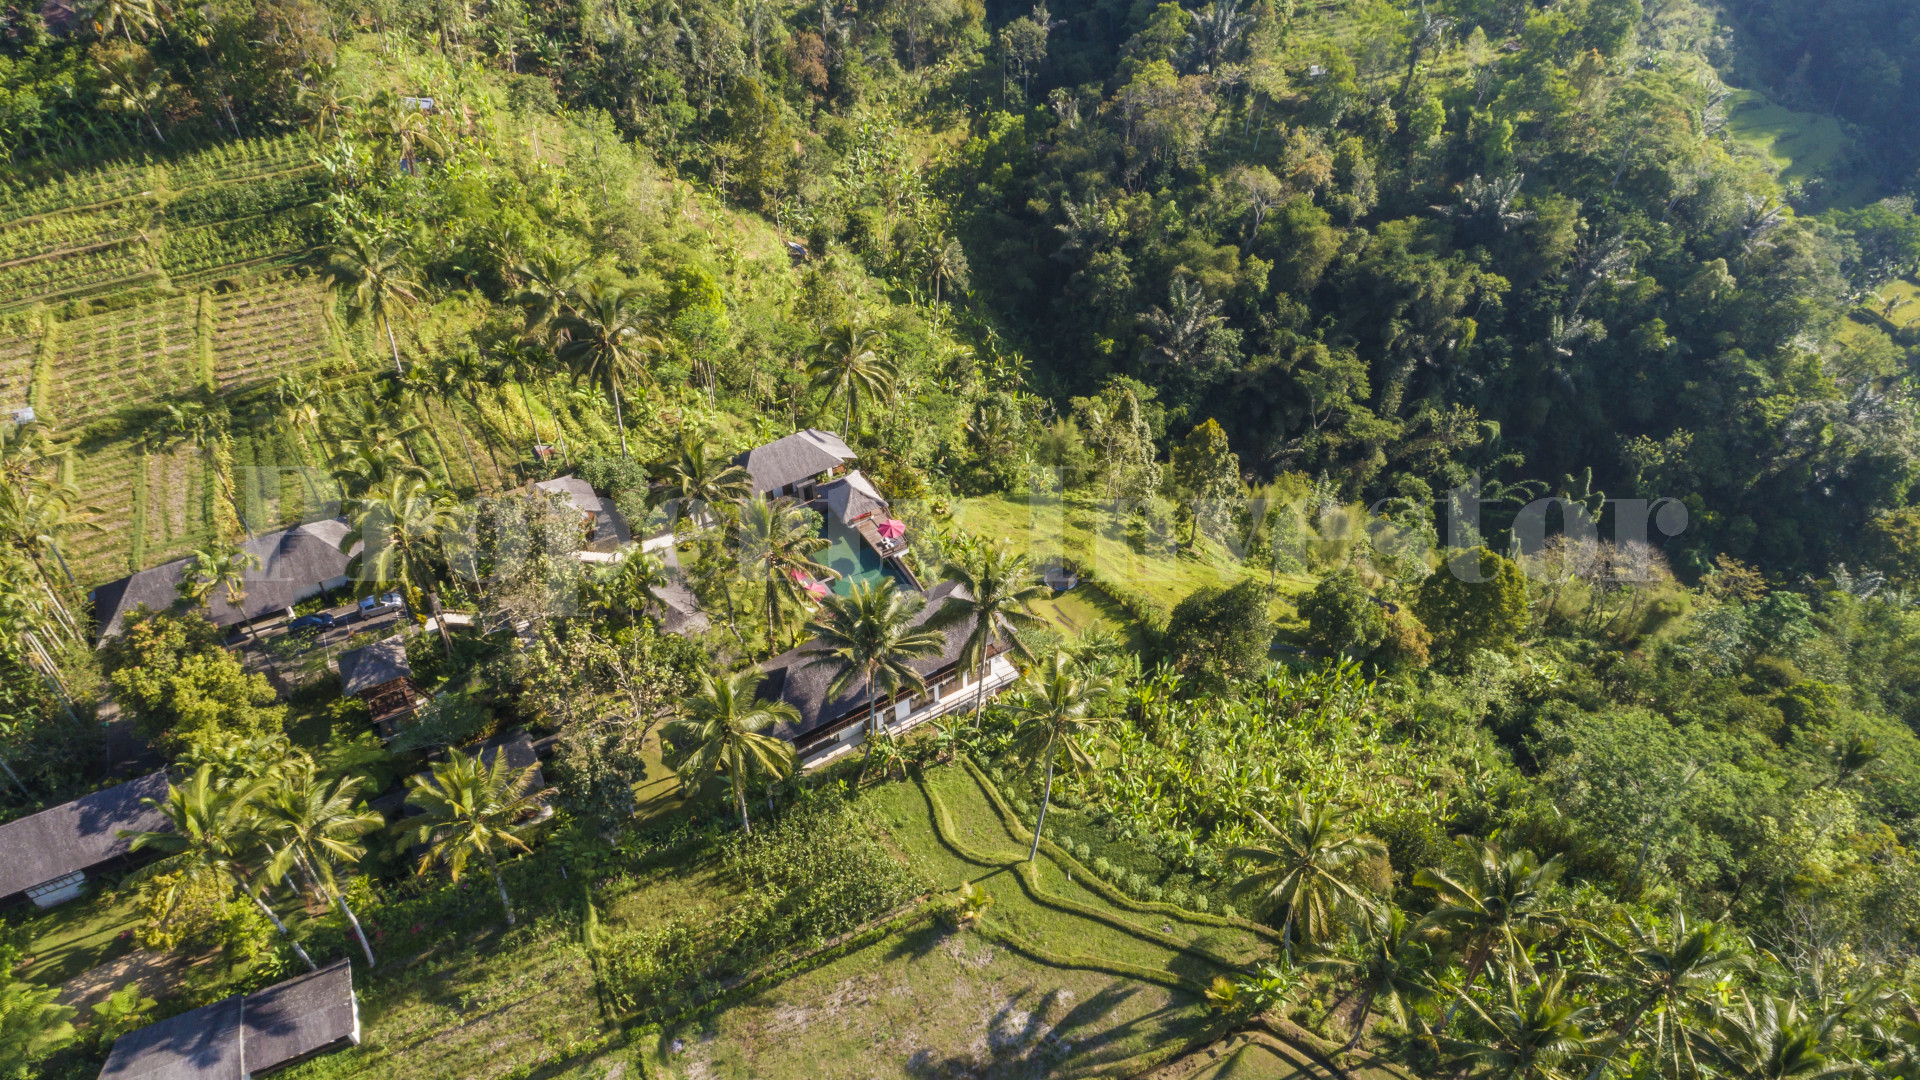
[(1498, 901), (996, 585), (547, 281), (471, 808), (313, 827), (1674, 978), (847, 362), (1531, 1036), (1056, 718), (1390, 970), (605, 337), (218, 568), (1313, 866), (871, 634), (464, 372), (106, 15), (403, 393), (371, 271), (208, 836), (33, 1023), (403, 528), (1770, 1039), (947, 263), (693, 478), (778, 541), (720, 731), (632, 585)]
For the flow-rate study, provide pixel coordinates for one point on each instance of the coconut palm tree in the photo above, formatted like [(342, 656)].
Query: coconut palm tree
[(1536, 1035), (996, 585), (777, 542), (1057, 716), (403, 528), (1672, 976), (314, 827), (547, 281), (720, 730), (403, 393), (692, 478), (124, 15), (474, 809), (872, 635), (1493, 906), (209, 837), (1390, 970), (443, 378), (631, 586), (371, 272), (1313, 867), (847, 363), (1772, 1039), (218, 568), (604, 339), (464, 372)]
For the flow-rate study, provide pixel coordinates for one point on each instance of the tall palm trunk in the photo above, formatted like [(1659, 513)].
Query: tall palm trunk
[(533, 427), (466, 444), (621, 420), (15, 777), (559, 430), (329, 896), (433, 435), (1360, 1024), (280, 926), (1046, 796), (500, 883), (499, 477), (740, 792), (873, 730), (392, 342)]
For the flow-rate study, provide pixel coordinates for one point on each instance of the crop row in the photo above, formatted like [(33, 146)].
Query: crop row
[(225, 202), (74, 189), (271, 330), (108, 361), (188, 251), (238, 160), (63, 231), (68, 274)]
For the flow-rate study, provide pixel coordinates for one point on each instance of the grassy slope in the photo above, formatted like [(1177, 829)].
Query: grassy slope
[(921, 1002)]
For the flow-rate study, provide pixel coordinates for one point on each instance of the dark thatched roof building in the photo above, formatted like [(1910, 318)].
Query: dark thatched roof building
[(245, 1035), (789, 466), (47, 856), (381, 675), (829, 726), (295, 564)]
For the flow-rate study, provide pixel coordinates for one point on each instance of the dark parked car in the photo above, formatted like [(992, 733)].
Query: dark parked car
[(320, 621)]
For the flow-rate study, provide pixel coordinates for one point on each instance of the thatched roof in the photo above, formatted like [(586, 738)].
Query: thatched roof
[(853, 498), (795, 459), (244, 1036), (375, 665), (294, 564), (78, 835), (792, 678)]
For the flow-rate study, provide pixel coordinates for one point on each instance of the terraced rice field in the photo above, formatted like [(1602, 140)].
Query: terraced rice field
[(140, 280)]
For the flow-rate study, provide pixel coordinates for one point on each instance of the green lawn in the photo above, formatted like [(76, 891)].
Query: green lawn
[(1088, 534), (1804, 146), (75, 936)]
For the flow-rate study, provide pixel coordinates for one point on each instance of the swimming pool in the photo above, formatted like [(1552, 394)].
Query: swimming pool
[(850, 557)]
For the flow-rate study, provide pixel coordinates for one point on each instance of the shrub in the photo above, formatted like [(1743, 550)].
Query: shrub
[(1177, 896), (1136, 885), (1083, 851), (1153, 893), (1229, 911), (1200, 903), (1103, 867)]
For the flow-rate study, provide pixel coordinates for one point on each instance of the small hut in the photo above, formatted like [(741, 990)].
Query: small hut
[(380, 675)]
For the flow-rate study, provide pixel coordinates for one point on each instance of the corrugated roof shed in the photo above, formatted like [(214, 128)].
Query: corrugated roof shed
[(799, 457), (294, 564), (374, 665), (577, 491), (244, 1036), (78, 835)]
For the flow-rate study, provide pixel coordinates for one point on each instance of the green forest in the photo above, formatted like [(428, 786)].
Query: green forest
[(1420, 500)]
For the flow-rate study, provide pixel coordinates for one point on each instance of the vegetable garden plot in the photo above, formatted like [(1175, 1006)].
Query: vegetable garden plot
[(16, 369), (69, 232), (240, 160), (121, 358), (74, 190), (267, 330), (74, 274)]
